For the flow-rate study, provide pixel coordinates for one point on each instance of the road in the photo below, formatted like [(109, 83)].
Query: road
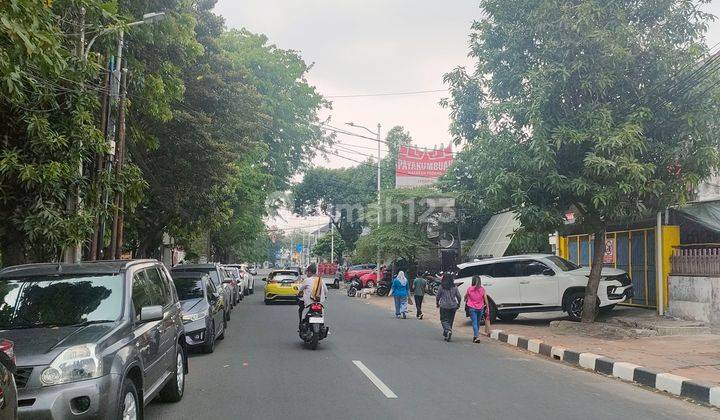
[(262, 371)]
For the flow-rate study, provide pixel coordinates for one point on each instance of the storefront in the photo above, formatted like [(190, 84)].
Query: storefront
[(633, 248)]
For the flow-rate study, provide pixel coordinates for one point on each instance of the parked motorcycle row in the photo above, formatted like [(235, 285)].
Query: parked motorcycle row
[(382, 288), (102, 339)]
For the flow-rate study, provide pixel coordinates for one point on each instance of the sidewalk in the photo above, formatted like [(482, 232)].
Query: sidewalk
[(627, 334)]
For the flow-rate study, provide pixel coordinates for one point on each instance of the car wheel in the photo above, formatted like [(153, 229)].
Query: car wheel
[(209, 345), (222, 335), (370, 284), (575, 306), (507, 317), (173, 390), (129, 407), (267, 301)]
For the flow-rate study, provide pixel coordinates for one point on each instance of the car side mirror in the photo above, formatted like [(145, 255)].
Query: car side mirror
[(548, 272), (151, 313)]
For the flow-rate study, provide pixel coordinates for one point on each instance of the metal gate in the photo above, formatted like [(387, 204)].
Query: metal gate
[(634, 252)]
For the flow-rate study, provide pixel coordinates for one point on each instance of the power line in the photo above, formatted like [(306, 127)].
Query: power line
[(367, 95)]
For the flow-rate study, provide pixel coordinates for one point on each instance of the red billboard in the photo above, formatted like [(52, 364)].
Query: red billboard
[(417, 166)]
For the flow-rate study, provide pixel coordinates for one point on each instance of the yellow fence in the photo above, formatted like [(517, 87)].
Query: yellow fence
[(633, 251)]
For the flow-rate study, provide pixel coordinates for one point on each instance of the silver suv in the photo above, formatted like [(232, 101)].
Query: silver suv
[(97, 339)]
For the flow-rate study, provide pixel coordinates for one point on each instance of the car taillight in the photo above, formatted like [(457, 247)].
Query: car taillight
[(316, 307), (8, 347)]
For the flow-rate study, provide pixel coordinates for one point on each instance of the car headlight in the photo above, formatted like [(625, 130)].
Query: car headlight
[(76, 363), (193, 317)]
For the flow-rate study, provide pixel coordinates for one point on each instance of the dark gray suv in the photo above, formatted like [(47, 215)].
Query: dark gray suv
[(93, 340)]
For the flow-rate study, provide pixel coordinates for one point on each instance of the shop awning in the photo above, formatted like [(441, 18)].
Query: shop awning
[(706, 214)]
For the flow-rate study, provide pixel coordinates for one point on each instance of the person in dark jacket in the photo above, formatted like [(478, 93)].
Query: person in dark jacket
[(448, 300)]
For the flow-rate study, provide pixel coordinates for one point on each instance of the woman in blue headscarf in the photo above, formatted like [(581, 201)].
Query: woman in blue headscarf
[(400, 290)]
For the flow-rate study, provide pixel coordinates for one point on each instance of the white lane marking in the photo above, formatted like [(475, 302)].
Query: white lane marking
[(374, 379)]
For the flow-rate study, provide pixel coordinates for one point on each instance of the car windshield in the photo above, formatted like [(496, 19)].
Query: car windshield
[(189, 287), (199, 271), (562, 263), (60, 300)]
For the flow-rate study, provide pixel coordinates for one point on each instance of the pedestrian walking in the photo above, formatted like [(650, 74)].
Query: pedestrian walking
[(448, 300), (477, 301), (400, 290), (419, 294)]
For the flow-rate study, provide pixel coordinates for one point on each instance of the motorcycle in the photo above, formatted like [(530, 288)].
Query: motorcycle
[(313, 328), (383, 288), (353, 287), (432, 283)]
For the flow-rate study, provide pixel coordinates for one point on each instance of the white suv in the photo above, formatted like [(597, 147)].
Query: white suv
[(541, 283)]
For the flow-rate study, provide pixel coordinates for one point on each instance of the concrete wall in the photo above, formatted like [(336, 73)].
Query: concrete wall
[(695, 298)]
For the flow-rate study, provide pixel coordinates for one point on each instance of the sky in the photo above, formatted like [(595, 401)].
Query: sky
[(361, 47)]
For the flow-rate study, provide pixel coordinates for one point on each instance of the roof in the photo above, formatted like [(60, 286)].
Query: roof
[(85, 267), (500, 259), (182, 267)]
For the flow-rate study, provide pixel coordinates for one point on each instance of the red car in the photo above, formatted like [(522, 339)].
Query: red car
[(370, 279), (357, 271)]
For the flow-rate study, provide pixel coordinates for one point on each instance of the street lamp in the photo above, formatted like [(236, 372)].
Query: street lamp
[(153, 17), (352, 124)]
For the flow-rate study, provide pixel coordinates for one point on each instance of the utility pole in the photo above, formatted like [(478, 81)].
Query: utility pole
[(352, 124), (116, 236), (332, 242), (73, 253), (377, 279), (110, 138)]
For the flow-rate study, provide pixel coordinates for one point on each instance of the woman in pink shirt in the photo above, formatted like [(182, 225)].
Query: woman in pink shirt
[(477, 302)]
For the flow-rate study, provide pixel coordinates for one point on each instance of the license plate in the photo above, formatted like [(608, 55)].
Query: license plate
[(317, 320)]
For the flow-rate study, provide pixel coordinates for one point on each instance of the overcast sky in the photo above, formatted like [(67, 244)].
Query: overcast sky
[(375, 46)]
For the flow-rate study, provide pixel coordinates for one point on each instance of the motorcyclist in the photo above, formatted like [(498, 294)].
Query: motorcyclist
[(312, 290)]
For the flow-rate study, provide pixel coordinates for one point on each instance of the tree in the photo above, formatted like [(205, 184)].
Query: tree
[(48, 103), (325, 243), (347, 192), (600, 105)]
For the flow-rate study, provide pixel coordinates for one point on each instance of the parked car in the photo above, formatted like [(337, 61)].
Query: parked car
[(248, 276), (370, 279), (217, 276), (357, 271), (94, 340), (233, 279), (202, 310), (541, 283), (282, 285), (8, 388)]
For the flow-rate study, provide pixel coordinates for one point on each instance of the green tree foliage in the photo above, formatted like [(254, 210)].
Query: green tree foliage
[(601, 105), (323, 248), (48, 103), (347, 192), (216, 120)]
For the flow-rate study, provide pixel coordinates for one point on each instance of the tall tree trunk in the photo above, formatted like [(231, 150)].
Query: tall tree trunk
[(590, 304)]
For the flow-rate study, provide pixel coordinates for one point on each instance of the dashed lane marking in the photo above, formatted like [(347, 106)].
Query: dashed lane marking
[(375, 380)]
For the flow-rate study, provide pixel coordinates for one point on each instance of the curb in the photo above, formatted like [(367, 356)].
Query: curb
[(667, 382)]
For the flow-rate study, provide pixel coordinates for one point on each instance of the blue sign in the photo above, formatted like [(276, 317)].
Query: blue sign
[(298, 248)]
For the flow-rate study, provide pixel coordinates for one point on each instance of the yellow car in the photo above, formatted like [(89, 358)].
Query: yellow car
[(282, 285)]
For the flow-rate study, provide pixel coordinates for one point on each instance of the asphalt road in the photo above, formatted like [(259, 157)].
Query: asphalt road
[(262, 371)]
